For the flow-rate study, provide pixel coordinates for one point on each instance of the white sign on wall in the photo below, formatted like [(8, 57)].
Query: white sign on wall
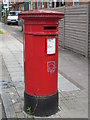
[(5, 6), (5, 1), (51, 45)]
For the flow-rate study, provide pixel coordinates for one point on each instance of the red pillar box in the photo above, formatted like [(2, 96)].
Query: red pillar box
[(41, 61)]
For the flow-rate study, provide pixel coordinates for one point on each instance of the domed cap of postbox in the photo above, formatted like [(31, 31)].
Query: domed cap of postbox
[(41, 14)]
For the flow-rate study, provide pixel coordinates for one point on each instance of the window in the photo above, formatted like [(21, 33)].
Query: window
[(57, 4), (42, 5), (10, 1), (13, 14), (49, 4), (63, 2), (76, 2), (38, 4), (33, 5), (22, 9)]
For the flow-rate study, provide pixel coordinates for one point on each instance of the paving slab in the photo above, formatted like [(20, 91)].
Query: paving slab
[(74, 66), (9, 109), (65, 85), (0, 108)]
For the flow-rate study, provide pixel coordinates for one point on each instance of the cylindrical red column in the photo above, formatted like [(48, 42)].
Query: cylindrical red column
[(41, 61)]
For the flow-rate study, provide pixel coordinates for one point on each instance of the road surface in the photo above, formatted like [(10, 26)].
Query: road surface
[(14, 30)]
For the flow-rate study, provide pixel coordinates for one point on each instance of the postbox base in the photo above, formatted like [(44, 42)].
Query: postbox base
[(41, 106)]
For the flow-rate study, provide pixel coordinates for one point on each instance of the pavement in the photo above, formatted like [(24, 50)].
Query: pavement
[(72, 80), (0, 109)]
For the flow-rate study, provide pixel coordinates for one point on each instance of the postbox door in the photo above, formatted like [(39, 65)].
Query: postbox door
[(41, 65)]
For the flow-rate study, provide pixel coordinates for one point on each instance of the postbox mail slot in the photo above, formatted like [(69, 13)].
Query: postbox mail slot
[(49, 27)]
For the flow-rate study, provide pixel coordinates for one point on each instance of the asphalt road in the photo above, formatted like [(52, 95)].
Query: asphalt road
[(14, 30)]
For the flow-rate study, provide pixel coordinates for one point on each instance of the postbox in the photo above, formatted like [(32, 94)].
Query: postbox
[(41, 61)]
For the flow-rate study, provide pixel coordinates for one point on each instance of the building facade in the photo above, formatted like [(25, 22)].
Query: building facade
[(23, 5), (41, 4), (16, 5), (76, 2)]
